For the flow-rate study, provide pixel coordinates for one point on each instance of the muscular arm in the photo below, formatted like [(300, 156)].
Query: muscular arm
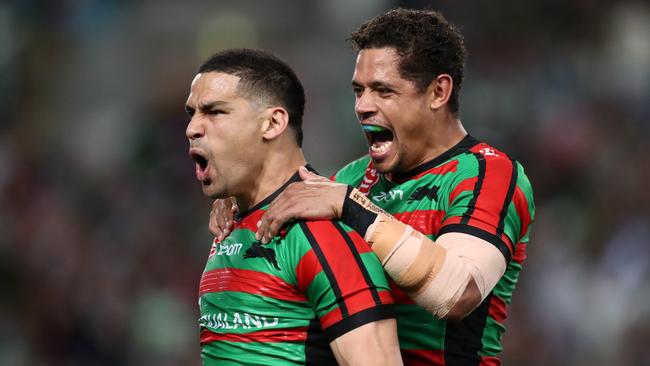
[(371, 344), (449, 277)]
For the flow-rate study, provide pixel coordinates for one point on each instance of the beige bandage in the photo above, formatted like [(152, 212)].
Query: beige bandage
[(485, 262), (434, 274)]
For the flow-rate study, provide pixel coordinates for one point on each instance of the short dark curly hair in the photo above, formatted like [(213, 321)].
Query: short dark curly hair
[(426, 42), (265, 76)]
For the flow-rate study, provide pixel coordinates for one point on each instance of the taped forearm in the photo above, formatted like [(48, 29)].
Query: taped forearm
[(434, 274), (434, 279)]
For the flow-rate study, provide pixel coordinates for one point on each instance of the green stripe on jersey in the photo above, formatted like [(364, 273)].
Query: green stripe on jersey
[(492, 338), (253, 353), (442, 191), (253, 310)]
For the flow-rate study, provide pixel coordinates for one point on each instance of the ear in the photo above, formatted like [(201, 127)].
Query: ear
[(440, 91), (276, 123)]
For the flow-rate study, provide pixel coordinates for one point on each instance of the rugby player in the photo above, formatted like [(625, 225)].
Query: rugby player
[(448, 216), (315, 294)]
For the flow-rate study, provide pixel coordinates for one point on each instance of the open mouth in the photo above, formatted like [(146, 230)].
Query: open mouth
[(201, 164), (379, 138)]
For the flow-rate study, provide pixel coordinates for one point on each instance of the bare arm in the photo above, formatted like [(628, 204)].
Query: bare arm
[(462, 279), (371, 344)]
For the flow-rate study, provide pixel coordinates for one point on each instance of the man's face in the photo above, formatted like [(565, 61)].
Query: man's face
[(383, 98), (225, 134)]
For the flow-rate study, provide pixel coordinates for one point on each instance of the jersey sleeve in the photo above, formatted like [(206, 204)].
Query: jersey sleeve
[(491, 200), (341, 278)]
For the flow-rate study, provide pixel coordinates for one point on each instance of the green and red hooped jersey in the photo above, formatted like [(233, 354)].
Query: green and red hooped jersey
[(472, 188), (283, 303)]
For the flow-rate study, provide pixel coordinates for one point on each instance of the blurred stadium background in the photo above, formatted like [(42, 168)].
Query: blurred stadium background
[(103, 228)]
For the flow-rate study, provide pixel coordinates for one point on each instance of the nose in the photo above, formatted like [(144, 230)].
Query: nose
[(364, 106), (194, 129)]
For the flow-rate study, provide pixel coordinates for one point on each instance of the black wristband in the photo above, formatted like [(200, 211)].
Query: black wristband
[(355, 215)]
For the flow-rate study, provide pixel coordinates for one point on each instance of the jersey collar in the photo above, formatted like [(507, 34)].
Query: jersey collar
[(463, 146), (294, 178)]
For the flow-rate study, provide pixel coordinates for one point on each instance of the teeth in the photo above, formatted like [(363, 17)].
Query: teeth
[(381, 148)]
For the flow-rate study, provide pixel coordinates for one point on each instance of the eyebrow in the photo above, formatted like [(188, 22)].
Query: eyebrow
[(206, 106), (373, 85)]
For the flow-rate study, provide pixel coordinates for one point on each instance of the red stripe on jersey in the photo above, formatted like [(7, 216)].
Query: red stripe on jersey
[(356, 302), (386, 297), (466, 185), (490, 361), (351, 282), (359, 301), (345, 269), (331, 318), (250, 221), (452, 220), (494, 190), (520, 253), (449, 167), (308, 267), (421, 357), (252, 282), (425, 221), (521, 205), (399, 295), (263, 336), (497, 309), (359, 243)]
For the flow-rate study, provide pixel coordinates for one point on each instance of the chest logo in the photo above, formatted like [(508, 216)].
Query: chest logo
[(419, 194), (258, 251)]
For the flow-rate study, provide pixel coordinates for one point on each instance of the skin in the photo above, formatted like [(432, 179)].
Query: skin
[(223, 120), (423, 128)]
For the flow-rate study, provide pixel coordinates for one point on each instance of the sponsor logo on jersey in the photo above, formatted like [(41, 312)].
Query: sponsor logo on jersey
[(370, 179), (236, 320), (229, 249), (389, 196), (224, 249), (258, 251), (421, 192)]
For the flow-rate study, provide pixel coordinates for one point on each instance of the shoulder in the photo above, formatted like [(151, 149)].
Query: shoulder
[(483, 162), (353, 171), (330, 234)]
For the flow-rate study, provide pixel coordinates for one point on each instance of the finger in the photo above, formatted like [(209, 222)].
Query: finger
[(258, 232), (213, 227), (221, 217), (305, 174), (276, 222)]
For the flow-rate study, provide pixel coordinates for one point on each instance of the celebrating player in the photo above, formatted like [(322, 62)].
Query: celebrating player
[(460, 209), (311, 295)]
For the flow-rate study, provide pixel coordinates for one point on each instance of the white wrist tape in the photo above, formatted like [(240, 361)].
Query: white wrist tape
[(434, 274)]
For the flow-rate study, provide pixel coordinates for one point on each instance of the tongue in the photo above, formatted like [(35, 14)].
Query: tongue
[(201, 173)]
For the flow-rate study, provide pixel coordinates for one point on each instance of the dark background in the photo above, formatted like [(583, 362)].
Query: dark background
[(103, 227)]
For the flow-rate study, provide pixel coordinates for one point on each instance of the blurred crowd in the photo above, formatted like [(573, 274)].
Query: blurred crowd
[(103, 228)]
